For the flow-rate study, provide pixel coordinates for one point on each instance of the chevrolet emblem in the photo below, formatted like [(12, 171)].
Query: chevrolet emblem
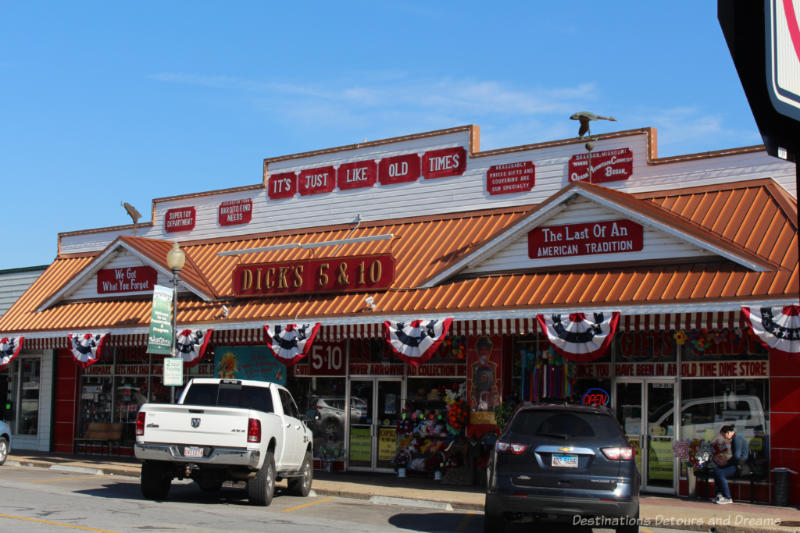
[(565, 449)]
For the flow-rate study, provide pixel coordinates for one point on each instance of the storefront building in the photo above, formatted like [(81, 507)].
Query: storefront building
[(497, 247)]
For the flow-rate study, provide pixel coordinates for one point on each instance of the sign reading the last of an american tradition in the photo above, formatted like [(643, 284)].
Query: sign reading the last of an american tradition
[(336, 274), (608, 165), (590, 238)]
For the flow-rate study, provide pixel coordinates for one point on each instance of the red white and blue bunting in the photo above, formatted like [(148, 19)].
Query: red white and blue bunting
[(416, 341), (291, 343), (87, 348), (191, 345), (777, 328), (580, 337), (9, 349)]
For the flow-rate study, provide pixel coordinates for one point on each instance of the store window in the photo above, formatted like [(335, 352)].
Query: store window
[(29, 403), (322, 400), (708, 404), (539, 372)]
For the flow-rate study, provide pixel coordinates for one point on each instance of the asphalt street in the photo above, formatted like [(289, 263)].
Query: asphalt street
[(44, 500)]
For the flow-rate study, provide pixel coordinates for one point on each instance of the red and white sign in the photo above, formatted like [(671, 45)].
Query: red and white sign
[(590, 238), (356, 175), (324, 359), (282, 185), (782, 60), (722, 369), (234, 212), (316, 180), (180, 219), (399, 169), (608, 165), (510, 178), (126, 279), (433, 370), (444, 163), (645, 369)]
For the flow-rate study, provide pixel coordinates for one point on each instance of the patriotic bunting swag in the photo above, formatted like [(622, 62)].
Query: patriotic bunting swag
[(416, 341), (9, 349), (777, 328), (580, 337), (290, 343), (86, 347), (192, 344)]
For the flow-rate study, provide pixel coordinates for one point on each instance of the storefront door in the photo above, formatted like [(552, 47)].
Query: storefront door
[(645, 411), (373, 410)]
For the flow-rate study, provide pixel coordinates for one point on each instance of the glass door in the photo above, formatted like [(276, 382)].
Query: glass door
[(374, 408), (645, 411)]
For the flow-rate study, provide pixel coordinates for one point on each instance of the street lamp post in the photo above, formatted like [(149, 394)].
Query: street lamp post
[(175, 261)]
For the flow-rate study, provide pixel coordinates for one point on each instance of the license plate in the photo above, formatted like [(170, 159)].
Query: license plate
[(193, 451), (564, 461)]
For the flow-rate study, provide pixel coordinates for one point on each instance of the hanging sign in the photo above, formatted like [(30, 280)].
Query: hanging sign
[(181, 219), (235, 212), (356, 175), (339, 274), (444, 163), (399, 169), (159, 337), (608, 165), (126, 279), (9, 350), (590, 238), (510, 178), (282, 185), (326, 358), (173, 371)]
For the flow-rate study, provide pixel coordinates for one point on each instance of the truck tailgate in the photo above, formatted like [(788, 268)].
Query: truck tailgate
[(196, 425)]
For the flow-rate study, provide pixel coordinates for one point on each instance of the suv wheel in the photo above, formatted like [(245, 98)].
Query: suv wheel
[(631, 526), (493, 523)]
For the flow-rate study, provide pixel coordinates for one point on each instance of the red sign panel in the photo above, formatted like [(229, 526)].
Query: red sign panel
[(339, 274), (357, 175), (282, 185), (608, 165), (235, 212), (399, 169), (181, 219), (591, 238), (324, 359), (444, 163), (316, 180), (510, 178), (719, 369), (126, 279)]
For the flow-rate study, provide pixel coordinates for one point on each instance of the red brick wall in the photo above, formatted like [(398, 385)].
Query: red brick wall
[(784, 417)]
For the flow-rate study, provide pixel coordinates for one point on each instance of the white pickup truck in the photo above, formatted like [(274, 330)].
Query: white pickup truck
[(225, 429)]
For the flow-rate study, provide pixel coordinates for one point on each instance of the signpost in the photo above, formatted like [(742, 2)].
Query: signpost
[(159, 339)]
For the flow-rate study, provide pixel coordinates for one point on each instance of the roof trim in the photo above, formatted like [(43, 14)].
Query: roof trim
[(102, 259), (631, 208)]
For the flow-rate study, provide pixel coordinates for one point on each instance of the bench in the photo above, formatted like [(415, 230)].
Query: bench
[(756, 471), (99, 436)]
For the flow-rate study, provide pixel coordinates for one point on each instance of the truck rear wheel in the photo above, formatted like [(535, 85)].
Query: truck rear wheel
[(155, 480), (261, 487), (301, 486)]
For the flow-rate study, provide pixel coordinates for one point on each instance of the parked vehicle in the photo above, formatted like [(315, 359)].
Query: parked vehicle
[(329, 416), (222, 430), (5, 442), (562, 463)]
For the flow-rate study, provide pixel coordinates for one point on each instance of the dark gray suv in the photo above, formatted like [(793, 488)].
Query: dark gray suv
[(567, 463)]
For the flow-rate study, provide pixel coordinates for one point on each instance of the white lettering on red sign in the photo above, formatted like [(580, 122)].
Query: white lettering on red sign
[(608, 165), (716, 369), (282, 185), (235, 212), (356, 175), (510, 178), (316, 180), (589, 238), (181, 219), (399, 169), (128, 279), (444, 163)]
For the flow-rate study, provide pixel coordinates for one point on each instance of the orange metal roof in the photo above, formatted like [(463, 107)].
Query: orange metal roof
[(753, 218)]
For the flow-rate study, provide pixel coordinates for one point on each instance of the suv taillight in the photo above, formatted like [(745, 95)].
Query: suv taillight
[(253, 430), (513, 447), (623, 453), (140, 424)]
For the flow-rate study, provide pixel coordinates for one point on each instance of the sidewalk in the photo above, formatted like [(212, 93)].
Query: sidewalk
[(655, 511)]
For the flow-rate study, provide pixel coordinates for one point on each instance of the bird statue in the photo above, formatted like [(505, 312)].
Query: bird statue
[(584, 117), (132, 212)]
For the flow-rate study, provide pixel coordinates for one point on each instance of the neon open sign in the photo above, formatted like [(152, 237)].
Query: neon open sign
[(596, 396)]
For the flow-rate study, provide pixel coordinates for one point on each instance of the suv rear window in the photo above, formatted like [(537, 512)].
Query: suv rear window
[(230, 395), (564, 425)]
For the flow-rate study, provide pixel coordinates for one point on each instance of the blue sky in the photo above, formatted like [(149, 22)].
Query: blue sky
[(102, 102)]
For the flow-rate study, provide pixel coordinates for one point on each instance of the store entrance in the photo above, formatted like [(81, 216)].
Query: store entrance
[(373, 412), (645, 411)]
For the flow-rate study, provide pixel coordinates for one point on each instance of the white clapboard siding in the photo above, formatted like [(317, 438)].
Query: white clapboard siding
[(123, 259), (14, 282), (656, 244), (433, 196)]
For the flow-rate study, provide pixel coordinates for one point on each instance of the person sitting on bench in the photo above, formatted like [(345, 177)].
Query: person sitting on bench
[(730, 453)]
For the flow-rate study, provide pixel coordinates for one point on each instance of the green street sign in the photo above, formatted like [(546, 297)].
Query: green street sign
[(160, 336)]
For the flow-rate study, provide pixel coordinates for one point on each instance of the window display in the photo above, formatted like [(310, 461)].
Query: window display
[(29, 408)]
